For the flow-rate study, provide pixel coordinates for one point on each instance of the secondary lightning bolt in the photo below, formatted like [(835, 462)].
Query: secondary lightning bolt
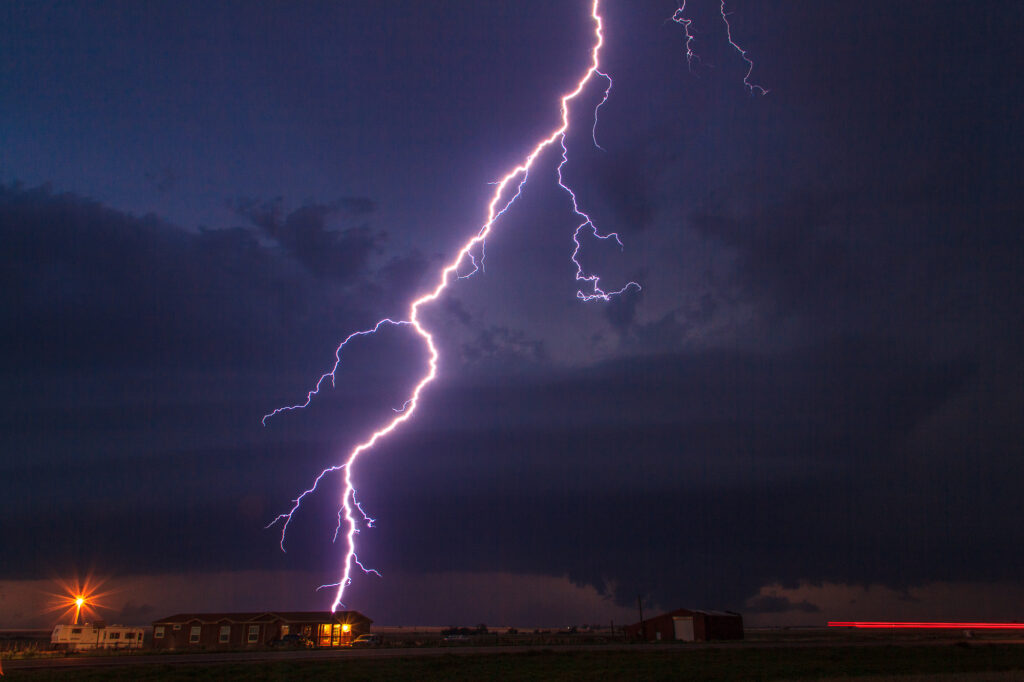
[(337, 361), (743, 53), (516, 177), (680, 18)]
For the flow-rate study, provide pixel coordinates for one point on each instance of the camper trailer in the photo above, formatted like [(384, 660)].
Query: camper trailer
[(96, 635)]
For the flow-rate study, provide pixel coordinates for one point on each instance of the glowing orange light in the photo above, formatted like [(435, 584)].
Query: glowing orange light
[(925, 626), (78, 599), (79, 603), (345, 627)]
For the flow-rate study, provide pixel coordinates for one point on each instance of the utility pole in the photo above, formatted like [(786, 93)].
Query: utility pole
[(640, 605)]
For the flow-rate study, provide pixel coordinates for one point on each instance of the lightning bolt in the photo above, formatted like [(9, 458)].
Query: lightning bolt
[(351, 515), (351, 511)]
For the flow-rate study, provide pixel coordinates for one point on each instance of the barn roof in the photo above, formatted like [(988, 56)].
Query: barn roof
[(687, 612)]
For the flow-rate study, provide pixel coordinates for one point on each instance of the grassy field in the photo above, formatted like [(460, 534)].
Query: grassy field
[(949, 663)]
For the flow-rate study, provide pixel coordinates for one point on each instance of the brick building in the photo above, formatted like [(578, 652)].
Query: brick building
[(257, 629)]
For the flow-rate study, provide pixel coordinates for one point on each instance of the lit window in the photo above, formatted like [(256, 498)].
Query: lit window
[(158, 632), (193, 635), (285, 629), (225, 633), (254, 633)]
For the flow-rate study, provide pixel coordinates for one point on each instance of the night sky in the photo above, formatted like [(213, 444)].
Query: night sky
[(812, 410)]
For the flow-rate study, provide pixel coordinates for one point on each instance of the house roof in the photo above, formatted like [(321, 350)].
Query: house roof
[(265, 616)]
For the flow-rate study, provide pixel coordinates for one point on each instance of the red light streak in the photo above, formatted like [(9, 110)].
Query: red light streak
[(879, 625)]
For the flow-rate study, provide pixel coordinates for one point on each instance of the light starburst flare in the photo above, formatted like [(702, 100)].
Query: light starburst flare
[(78, 599)]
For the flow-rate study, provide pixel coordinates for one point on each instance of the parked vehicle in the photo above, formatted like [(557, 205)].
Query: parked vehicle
[(96, 635), (293, 642), (367, 640)]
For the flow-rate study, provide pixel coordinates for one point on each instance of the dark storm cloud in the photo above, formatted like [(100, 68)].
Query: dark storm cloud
[(490, 349), (454, 308), (667, 465), (621, 311), (852, 417), (306, 234), (90, 286), (844, 396), (504, 346), (874, 187), (140, 358), (679, 327), (916, 262), (473, 483), (398, 280), (628, 183), (777, 604), (163, 180)]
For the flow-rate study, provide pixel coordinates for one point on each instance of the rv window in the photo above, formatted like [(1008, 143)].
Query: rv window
[(76, 631)]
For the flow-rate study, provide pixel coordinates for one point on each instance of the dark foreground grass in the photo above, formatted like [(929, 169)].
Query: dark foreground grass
[(672, 663)]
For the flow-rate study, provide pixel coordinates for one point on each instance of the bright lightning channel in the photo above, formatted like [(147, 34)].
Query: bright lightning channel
[(517, 177)]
